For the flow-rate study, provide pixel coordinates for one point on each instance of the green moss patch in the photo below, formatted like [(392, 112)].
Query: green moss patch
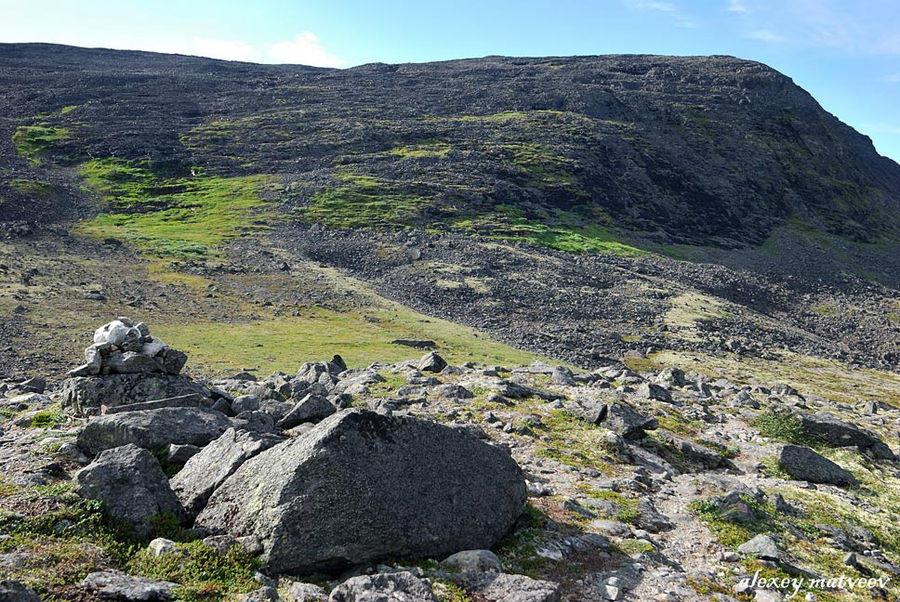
[(35, 141), (32, 188), (177, 217)]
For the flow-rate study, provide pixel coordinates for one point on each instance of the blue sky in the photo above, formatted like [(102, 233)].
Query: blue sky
[(845, 52)]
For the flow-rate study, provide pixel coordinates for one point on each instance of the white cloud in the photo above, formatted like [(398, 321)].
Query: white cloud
[(229, 50), (304, 49), (737, 6), (667, 8), (767, 35), (893, 78)]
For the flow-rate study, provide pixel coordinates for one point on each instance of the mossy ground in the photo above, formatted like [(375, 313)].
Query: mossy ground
[(64, 538), (284, 343), (34, 141), (186, 217)]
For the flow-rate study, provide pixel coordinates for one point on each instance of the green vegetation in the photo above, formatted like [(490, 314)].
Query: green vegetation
[(628, 507), (517, 550), (34, 141), (285, 343), (185, 218), (782, 425), (574, 442), (32, 188), (563, 232), (202, 572), (63, 546), (49, 418), (447, 591), (424, 148), (364, 202), (731, 533), (542, 168)]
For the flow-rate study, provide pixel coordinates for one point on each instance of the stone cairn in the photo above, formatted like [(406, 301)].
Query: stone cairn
[(123, 347)]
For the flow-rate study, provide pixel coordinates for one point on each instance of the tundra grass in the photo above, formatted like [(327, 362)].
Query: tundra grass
[(285, 343)]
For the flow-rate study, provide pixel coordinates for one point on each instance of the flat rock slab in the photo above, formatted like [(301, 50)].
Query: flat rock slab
[(361, 486), (503, 587), (83, 396), (153, 429), (113, 585), (401, 586), (839, 432), (182, 401)]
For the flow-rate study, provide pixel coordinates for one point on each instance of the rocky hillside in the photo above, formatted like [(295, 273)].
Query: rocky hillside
[(708, 151), (429, 482), (658, 298)]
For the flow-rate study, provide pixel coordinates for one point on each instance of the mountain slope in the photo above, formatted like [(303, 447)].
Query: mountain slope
[(483, 191), (710, 151)]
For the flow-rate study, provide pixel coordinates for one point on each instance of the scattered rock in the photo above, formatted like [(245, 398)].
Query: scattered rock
[(179, 454), (648, 390), (473, 561), (432, 363), (503, 587), (131, 485), (691, 451), (306, 592), (311, 408), (161, 546), (362, 486), (761, 546), (623, 420)]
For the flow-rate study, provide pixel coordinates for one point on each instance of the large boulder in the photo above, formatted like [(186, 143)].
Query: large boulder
[(832, 429), (361, 486), (131, 485), (84, 396), (153, 429), (804, 464), (209, 468)]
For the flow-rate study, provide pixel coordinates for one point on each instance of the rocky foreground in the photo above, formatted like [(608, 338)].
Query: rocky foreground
[(420, 480)]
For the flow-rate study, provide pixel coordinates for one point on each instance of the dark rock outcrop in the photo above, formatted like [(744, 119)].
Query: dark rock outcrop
[(804, 464), (832, 429)]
